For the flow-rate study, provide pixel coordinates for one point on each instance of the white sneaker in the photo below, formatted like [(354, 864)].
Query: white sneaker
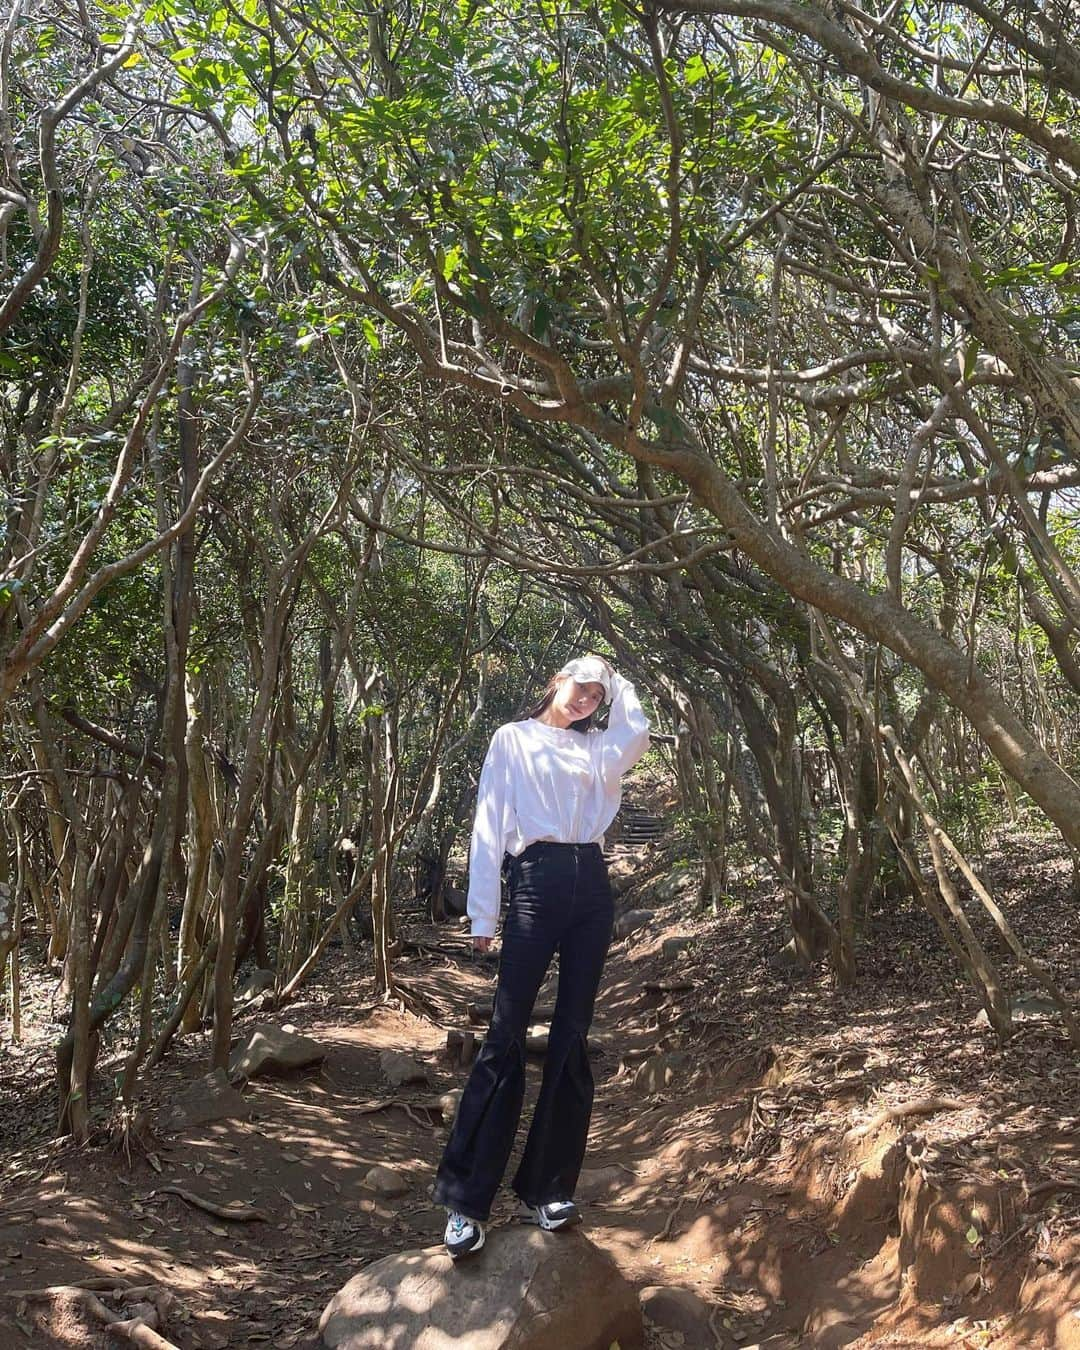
[(463, 1235), (555, 1214)]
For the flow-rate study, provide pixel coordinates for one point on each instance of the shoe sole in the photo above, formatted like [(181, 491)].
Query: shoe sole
[(467, 1251)]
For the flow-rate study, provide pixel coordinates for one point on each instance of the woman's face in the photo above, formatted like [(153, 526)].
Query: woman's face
[(574, 701)]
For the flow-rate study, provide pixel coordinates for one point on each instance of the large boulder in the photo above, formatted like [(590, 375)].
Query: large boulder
[(527, 1290), (274, 1050)]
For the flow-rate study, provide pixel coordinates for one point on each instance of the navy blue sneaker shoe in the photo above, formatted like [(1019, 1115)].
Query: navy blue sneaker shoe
[(463, 1236), (555, 1214)]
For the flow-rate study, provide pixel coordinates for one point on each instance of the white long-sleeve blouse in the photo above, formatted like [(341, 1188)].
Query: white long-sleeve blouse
[(543, 782)]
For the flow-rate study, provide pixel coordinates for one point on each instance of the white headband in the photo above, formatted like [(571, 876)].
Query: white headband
[(589, 670)]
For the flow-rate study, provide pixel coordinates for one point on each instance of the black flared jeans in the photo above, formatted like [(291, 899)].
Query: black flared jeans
[(560, 901)]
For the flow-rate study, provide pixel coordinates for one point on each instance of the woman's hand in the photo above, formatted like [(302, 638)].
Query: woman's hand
[(480, 945)]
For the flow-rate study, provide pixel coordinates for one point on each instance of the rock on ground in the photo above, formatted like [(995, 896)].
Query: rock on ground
[(209, 1098), (258, 982), (271, 1049), (385, 1180), (399, 1069), (449, 1103), (676, 883), (631, 921), (677, 1310), (527, 1290)]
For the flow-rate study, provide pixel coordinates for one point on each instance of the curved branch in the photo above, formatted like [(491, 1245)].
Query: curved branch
[(49, 241), (858, 60)]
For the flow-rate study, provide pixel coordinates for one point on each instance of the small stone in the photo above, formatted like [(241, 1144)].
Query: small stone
[(673, 947), (385, 1180), (399, 1069), (258, 982), (449, 1103), (631, 921)]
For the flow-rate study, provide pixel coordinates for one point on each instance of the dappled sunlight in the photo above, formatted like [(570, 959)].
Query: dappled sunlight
[(362, 368), (772, 1176)]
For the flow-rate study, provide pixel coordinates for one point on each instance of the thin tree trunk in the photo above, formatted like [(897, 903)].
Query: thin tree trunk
[(201, 832)]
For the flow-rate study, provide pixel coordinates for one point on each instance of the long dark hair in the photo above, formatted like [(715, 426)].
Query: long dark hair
[(542, 704)]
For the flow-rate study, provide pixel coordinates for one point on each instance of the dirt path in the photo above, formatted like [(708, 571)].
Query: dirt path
[(750, 1176)]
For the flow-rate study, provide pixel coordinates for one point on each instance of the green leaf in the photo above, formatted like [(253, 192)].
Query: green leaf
[(371, 333), (695, 69), (450, 261)]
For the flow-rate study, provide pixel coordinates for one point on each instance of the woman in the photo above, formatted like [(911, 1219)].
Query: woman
[(549, 788)]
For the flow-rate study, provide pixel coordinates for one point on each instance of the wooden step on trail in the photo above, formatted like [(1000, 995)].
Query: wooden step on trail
[(639, 826), (461, 1046)]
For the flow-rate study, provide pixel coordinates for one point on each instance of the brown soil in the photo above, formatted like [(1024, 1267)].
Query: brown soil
[(776, 1175)]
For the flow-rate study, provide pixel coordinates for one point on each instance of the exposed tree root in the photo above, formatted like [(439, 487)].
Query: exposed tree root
[(1049, 1187), (140, 1327), (385, 1103), (926, 1106), (665, 1233), (236, 1212)]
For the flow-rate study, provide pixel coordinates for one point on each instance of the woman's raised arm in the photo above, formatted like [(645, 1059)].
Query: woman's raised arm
[(627, 736)]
